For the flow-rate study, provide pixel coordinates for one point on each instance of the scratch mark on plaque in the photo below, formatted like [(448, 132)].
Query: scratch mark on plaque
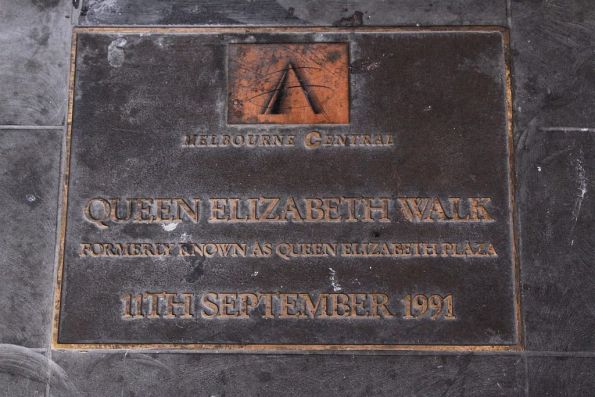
[(368, 64), (168, 227), (567, 129), (582, 191), (334, 281)]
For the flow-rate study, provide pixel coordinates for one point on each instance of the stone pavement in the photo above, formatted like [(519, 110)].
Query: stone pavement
[(553, 81)]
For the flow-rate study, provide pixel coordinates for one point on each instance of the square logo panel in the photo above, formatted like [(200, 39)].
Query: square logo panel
[(288, 83)]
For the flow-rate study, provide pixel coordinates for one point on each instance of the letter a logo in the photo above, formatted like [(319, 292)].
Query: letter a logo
[(288, 83), (291, 92)]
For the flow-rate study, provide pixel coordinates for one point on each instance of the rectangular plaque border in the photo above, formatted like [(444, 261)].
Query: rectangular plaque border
[(303, 348)]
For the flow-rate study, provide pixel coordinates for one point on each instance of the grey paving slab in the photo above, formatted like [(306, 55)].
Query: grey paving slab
[(29, 184), (561, 376), (182, 374), (554, 93), (285, 12), (552, 45), (557, 205), (35, 43), (29, 372)]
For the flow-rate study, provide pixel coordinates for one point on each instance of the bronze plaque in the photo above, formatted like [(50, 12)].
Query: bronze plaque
[(296, 189)]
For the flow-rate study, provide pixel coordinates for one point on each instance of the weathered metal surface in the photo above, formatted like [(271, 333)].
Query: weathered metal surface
[(392, 229)]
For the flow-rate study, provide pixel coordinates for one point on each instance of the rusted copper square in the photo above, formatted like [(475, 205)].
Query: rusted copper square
[(288, 83)]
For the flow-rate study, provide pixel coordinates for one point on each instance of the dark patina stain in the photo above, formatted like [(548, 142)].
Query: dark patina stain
[(197, 272)]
